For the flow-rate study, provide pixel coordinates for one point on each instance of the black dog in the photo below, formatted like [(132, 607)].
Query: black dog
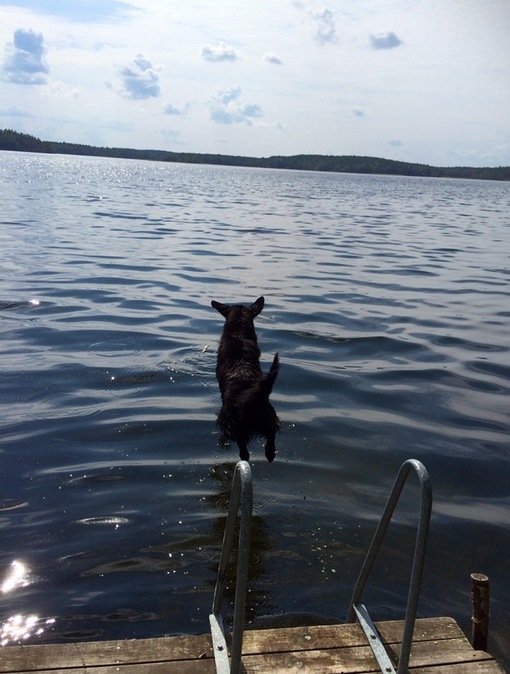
[(246, 411)]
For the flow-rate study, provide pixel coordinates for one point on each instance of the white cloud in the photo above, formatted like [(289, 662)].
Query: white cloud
[(325, 29), (170, 109), (25, 61), (228, 95), (140, 79), (385, 41), (219, 52), (227, 108), (273, 59)]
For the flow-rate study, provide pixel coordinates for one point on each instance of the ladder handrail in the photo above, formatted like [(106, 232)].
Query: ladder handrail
[(358, 610), (242, 494)]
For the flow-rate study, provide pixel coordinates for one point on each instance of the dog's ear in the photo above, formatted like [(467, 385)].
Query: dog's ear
[(257, 307), (224, 309)]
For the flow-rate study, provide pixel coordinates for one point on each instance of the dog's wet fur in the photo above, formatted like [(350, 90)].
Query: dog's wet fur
[(246, 411)]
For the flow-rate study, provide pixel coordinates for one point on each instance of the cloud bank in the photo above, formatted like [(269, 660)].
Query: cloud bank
[(170, 109), (140, 79), (385, 41), (227, 108), (325, 29), (273, 59), (219, 52), (25, 61)]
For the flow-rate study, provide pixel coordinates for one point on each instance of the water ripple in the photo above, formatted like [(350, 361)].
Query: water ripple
[(387, 300)]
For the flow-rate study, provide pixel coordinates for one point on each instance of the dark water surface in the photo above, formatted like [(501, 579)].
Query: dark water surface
[(388, 300)]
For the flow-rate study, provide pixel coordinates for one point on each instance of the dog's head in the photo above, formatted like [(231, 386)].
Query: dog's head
[(226, 309)]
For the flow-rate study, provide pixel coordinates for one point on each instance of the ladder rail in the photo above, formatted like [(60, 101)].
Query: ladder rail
[(418, 557), (241, 498)]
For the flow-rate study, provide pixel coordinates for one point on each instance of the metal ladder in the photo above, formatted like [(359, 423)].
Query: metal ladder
[(359, 610), (242, 495)]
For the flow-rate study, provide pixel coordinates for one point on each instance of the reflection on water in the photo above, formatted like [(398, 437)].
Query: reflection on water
[(116, 522), (387, 299), (17, 576), (20, 627)]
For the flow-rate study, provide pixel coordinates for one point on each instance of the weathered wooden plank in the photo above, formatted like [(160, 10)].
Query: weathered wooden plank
[(344, 635), (484, 667), (282, 667), (351, 660), (331, 661), (46, 656), (182, 667), (444, 652), (425, 629)]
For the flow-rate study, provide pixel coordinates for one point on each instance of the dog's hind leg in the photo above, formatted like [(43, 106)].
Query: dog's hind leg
[(270, 450), (243, 450)]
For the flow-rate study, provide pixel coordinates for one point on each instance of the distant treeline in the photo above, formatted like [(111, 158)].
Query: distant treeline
[(22, 142)]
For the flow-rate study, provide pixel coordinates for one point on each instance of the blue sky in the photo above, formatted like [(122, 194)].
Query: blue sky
[(416, 80)]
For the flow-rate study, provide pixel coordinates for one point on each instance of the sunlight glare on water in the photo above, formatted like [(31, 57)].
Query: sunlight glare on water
[(17, 576), (19, 627)]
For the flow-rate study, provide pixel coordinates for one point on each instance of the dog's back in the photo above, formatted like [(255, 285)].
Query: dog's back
[(238, 353), (246, 411)]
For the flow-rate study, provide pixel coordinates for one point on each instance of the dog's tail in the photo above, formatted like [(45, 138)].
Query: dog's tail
[(270, 378)]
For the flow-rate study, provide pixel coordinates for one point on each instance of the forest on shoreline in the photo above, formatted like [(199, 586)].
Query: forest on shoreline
[(22, 142)]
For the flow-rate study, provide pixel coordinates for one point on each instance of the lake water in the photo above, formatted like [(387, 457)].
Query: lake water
[(388, 300)]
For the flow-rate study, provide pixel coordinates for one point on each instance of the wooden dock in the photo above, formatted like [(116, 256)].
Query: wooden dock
[(439, 647)]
